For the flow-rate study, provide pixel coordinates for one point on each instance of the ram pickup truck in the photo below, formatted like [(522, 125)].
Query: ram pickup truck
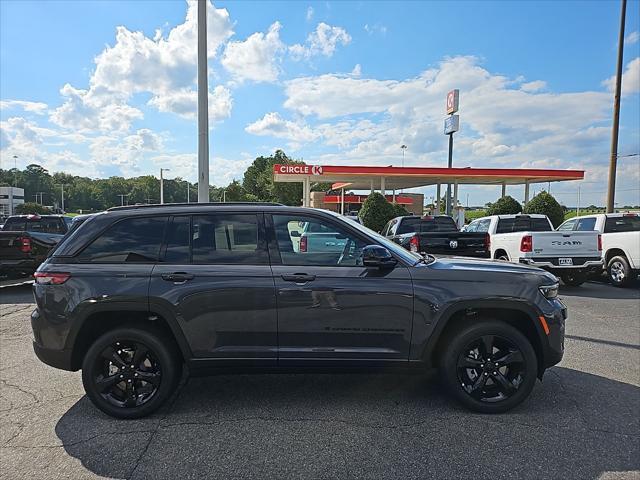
[(620, 242), (25, 241), (531, 240), (437, 235)]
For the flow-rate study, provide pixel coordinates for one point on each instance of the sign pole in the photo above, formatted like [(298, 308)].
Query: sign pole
[(449, 165)]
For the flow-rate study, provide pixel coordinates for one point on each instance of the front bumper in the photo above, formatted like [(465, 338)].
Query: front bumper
[(555, 317)]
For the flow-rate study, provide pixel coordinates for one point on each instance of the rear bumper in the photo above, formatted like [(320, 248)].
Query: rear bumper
[(552, 264), (55, 358)]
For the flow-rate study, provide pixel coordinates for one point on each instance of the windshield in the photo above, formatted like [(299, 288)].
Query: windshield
[(406, 255)]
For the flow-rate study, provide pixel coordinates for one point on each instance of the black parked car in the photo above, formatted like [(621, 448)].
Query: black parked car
[(133, 294)]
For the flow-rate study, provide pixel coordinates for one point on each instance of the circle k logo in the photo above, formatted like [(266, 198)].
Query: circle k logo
[(316, 170), (299, 169)]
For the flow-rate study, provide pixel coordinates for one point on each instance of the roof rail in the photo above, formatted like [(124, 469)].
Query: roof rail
[(194, 204)]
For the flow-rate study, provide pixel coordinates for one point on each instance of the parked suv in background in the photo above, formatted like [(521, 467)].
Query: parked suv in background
[(134, 293), (620, 242)]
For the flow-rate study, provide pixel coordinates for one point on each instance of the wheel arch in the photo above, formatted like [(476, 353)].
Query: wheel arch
[(100, 320), (521, 315), (613, 252)]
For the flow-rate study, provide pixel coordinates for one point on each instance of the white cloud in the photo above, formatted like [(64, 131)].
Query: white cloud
[(309, 13), (184, 102), (632, 38), (324, 40), (375, 28), (273, 124), (630, 78), (255, 58), (162, 66), (38, 108), (357, 70), (533, 86)]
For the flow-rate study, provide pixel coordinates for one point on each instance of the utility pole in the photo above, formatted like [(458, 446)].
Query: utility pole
[(203, 106), (162, 184), (188, 186), (403, 147), (62, 185), (578, 206), (613, 162)]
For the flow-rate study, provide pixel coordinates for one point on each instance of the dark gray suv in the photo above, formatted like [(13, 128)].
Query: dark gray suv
[(132, 295)]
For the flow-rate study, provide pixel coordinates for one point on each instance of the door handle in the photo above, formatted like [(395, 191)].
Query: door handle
[(177, 277), (299, 278)]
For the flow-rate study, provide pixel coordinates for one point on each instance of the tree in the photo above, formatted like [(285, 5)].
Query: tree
[(399, 210), (504, 206), (32, 208), (545, 204), (376, 212)]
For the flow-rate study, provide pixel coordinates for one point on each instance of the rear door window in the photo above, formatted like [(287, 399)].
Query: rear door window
[(228, 239), (567, 226), (132, 240), (505, 225), (626, 223), (407, 225)]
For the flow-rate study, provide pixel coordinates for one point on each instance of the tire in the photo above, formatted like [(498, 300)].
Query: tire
[(502, 256), (619, 271), (573, 279), (147, 381), (462, 374)]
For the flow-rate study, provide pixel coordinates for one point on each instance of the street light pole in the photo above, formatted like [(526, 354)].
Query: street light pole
[(188, 187), (203, 106), (611, 193), (61, 185), (162, 184)]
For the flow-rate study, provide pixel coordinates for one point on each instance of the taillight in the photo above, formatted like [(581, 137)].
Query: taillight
[(414, 244), (25, 244), (487, 241), (303, 244), (599, 242), (526, 244), (51, 278)]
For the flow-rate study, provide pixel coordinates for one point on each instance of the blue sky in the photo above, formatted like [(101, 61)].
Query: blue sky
[(108, 88)]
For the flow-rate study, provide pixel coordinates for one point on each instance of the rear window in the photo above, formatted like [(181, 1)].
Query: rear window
[(523, 224), (630, 223), (44, 225), (422, 225), (586, 224), (133, 240)]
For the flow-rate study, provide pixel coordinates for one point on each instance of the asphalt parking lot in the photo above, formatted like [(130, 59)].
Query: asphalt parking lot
[(582, 422)]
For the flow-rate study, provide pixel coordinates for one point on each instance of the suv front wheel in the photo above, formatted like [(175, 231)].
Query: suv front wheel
[(130, 372), (489, 366)]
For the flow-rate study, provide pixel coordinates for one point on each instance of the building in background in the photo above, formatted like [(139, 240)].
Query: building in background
[(10, 197), (411, 201)]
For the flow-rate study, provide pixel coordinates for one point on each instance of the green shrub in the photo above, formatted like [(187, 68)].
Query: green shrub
[(31, 208), (545, 204), (376, 212), (505, 206), (399, 210)]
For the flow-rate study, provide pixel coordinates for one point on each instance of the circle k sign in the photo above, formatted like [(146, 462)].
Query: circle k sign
[(299, 169)]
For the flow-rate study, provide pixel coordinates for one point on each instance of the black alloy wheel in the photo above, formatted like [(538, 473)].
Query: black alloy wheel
[(127, 374), (488, 365), (491, 368), (130, 372)]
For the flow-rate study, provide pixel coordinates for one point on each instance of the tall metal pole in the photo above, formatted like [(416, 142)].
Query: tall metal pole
[(187, 191), (203, 106), (450, 164), (161, 187), (611, 193)]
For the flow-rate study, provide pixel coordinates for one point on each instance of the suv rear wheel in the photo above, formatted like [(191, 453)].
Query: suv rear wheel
[(130, 372), (489, 366)]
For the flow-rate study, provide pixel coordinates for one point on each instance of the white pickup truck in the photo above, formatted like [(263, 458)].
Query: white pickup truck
[(530, 239), (620, 242)]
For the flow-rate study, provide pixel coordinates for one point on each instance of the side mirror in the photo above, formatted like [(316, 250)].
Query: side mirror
[(375, 256), (295, 234)]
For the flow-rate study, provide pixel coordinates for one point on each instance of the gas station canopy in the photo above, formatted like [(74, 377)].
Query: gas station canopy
[(396, 178)]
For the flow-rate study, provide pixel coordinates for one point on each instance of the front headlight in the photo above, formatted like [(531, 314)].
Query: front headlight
[(549, 291)]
